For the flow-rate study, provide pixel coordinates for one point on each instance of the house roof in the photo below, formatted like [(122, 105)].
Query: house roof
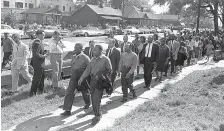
[(133, 12), (40, 10), (162, 17), (105, 10)]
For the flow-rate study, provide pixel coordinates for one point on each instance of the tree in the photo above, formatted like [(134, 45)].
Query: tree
[(211, 6)]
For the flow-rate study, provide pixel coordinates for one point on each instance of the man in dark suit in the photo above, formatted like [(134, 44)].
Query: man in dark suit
[(38, 59), (114, 54), (89, 50), (149, 57), (125, 39)]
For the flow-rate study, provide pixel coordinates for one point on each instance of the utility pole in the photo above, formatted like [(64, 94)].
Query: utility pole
[(198, 17), (123, 15)]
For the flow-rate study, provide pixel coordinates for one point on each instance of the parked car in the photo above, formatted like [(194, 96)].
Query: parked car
[(88, 31), (144, 30), (49, 30), (8, 29), (113, 30), (131, 30)]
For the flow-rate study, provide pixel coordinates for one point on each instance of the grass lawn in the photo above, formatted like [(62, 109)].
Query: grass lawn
[(20, 107), (195, 103)]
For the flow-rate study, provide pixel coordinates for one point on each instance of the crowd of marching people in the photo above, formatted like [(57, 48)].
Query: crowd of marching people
[(92, 72)]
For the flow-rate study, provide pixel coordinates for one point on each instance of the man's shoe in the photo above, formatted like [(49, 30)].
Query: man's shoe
[(124, 100), (66, 113), (86, 106), (95, 120), (134, 95)]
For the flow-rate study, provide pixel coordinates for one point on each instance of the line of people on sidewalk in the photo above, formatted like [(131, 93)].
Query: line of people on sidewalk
[(92, 72)]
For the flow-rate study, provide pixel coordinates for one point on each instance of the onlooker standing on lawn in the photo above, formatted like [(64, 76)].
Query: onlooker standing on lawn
[(114, 55), (164, 56), (182, 54), (19, 62), (196, 48), (56, 50), (78, 64), (98, 65), (127, 66), (38, 59), (7, 44)]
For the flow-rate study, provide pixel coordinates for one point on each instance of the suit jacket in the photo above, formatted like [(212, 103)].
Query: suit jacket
[(38, 53), (20, 54), (175, 48), (86, 51), (122, 46), (104, 82), (154, 54), (114, 58)]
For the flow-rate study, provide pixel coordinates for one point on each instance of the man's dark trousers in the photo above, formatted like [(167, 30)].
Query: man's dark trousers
[(96, 95), (73, 84), (148, 68), (126, 82), (38, 80), (113, 77), (173, 64), (6, 58)]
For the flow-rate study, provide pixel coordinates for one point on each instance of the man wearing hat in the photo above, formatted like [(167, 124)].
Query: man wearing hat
[(7, 44)]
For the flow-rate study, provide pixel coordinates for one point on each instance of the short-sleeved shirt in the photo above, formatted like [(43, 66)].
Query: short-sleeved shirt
[(79, 61), (99, 64)]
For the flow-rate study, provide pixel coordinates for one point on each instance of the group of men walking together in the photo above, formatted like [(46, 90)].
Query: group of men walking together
[(92, 72)]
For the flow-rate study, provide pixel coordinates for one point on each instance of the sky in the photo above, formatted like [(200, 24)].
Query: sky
[(158, 9)]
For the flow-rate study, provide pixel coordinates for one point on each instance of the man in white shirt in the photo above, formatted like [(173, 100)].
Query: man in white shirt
[(19, 62), (56, 50)]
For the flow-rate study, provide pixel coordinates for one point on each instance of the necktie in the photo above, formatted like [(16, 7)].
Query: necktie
[(148, 50), (108, 55), (90, 53)]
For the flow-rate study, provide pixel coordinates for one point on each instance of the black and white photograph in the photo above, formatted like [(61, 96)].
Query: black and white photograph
[(112, 65)]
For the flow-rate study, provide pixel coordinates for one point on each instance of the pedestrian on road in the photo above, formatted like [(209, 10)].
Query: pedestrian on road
[(136, 43), (89, 50), (7, 44), (19, 62), (78, 65), (127, 66), (125, 39), (114, 55), (38, 60), (174, 48), (150, 56), (99, 64), (56, 51), (164, 56)]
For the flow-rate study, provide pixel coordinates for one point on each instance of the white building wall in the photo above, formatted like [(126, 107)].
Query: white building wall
[(67, 4)]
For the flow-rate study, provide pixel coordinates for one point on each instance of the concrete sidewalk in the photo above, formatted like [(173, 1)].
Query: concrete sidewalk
[(111, 106)]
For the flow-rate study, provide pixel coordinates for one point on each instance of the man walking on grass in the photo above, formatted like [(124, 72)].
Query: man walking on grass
[(99, 64), (19, 62), (127, 66), (78, 64)]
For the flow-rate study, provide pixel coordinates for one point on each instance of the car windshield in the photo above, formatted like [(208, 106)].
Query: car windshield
[(85, 28), (93, 28), (129, 27)]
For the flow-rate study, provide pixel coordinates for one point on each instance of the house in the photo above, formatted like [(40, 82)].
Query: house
[(134, 15), (93, 14), (16, 7), (42, 15), (163, 19)]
